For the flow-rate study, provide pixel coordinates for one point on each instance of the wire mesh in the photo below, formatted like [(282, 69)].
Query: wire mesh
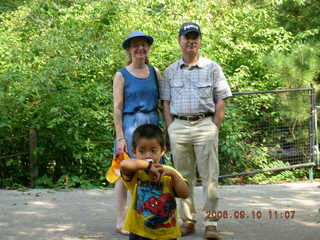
[(277, 124), (13, 147), (261, 130)]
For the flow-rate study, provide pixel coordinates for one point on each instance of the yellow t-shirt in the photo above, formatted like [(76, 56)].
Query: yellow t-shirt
[(153, 210)]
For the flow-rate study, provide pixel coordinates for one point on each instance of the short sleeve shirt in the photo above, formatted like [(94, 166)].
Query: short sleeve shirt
[(196, 89), (153, 210)]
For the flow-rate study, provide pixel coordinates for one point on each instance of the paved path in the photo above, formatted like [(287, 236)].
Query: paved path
[(90, 214)]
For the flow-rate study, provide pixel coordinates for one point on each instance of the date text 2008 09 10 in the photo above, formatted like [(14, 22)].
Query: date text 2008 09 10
[(254, 214)]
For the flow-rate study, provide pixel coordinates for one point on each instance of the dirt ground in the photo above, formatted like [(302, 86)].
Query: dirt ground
[(248, 212)]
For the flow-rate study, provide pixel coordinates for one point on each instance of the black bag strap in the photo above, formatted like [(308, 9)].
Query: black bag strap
[(156, 78)]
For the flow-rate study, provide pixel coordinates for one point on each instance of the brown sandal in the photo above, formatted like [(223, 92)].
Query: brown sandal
[(211, 232), (187, 228)]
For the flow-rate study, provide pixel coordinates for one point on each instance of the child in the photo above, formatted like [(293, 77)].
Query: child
[(153, 188)]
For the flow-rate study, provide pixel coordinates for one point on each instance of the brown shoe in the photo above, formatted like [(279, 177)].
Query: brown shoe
[(211, 232), (187, 228)]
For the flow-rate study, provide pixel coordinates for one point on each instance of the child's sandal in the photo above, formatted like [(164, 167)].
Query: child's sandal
[(122, 231)]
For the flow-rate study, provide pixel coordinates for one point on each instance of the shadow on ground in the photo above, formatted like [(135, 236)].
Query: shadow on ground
[(250, 212)]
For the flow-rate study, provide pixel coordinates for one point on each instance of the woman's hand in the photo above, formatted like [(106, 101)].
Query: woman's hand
[(122, 146)]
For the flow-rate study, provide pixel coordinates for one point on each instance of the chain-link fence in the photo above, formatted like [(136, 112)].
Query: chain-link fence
[(14, 155), (280, 125), (263, 131)]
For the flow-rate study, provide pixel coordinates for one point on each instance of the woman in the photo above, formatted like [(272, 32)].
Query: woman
[(135, 95)]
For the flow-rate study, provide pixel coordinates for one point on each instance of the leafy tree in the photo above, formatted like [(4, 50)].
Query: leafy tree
[(58, 59)]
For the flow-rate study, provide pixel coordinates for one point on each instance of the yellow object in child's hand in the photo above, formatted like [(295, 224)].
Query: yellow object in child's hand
[(113, 173)]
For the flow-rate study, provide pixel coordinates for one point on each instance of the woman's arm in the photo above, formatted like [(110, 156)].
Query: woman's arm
[(118, 85)]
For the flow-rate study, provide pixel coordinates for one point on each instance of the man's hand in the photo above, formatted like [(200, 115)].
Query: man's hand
[(217, 122)]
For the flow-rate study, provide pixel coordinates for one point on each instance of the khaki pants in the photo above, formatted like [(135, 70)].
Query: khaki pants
[(195, 143)]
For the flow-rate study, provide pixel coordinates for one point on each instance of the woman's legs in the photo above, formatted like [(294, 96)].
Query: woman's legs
[(121, 201), (130, 123)]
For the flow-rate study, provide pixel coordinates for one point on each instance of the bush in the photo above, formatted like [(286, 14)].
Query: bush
[(58, 59)]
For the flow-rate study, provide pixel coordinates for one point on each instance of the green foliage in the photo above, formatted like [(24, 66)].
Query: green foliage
[(56, 78), (65, 182), (58, 59), (269, 178), (300, 16), (298, 68), (9, 5)]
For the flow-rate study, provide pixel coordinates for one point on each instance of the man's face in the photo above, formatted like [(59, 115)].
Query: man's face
[(190, 43)]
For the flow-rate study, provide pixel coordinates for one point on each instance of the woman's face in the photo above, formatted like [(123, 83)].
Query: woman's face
[(138, 48)]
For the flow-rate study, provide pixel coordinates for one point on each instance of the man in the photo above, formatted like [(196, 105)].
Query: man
[(193, 91)]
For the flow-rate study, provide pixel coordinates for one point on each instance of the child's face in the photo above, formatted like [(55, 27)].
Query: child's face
[(149, 148)]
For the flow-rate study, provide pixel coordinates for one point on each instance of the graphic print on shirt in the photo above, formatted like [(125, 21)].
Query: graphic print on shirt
[(158, 208)]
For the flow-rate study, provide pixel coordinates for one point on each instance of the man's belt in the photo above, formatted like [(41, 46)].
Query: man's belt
[(194, 117)]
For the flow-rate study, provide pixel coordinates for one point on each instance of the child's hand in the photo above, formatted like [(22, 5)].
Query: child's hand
[(156, 172), (167, 172)]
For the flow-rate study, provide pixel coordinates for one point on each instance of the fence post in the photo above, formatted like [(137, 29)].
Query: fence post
[(317, 140), (34, 171), (312, 131)]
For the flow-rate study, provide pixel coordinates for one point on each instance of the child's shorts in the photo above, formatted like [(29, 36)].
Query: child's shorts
[(136, 237)]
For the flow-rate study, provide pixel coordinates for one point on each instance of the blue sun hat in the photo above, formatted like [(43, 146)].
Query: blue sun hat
[(126, 43)]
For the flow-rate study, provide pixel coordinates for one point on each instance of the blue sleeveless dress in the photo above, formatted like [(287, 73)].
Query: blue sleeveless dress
[(140, 102)]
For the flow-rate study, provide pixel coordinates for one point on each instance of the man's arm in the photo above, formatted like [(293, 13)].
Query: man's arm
[(219, 113), (166, 113), (165, 97), (221, 92)]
